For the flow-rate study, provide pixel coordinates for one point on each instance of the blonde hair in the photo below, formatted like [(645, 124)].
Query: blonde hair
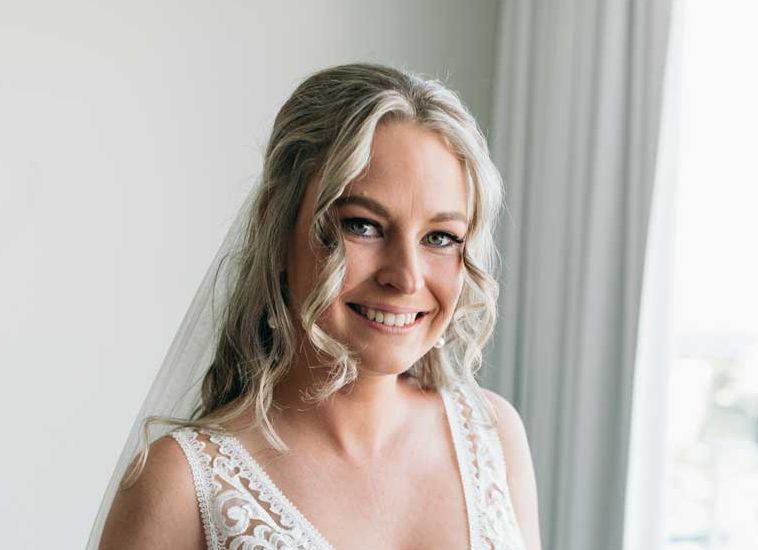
[(325, 130)]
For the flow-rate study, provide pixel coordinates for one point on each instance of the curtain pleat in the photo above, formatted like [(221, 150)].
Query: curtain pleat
[(574, 132)]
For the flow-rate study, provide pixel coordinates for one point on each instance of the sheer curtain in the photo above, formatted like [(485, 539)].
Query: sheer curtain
[(575, 133), (644, 528)]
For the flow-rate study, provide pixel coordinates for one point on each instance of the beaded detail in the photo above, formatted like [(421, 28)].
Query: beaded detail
[(242, 508)]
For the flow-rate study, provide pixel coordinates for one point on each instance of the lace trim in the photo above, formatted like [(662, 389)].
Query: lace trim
[(290, 516), (493, 521), (464, 457), (513, 530), (202, 475), (240, 506)]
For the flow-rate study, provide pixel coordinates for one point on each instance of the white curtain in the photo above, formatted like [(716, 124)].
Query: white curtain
[(575, 133), (645, 493)]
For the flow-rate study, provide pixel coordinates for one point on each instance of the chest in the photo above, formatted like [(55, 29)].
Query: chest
[(417, 503), (447, 491)]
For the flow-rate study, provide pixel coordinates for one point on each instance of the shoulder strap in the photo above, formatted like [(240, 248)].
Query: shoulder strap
[(202, 476), (482, 463), (239, 504), (456, 409)]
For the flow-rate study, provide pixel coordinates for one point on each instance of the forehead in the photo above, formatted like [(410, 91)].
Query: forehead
[(412, 169)]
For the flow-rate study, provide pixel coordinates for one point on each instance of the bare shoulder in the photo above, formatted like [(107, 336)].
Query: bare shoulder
[(507, 415), (521, 480), (160, 510), (510, 428)]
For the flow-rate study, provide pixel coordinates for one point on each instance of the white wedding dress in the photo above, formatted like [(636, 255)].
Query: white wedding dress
[(242, 509)]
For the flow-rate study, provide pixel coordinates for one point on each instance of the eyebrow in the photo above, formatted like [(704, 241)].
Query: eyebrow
[(381, 210)]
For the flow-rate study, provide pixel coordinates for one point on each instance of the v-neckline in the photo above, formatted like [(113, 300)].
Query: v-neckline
[(456, 430)]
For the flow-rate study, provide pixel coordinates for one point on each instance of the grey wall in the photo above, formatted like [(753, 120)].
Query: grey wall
[(129, 133)]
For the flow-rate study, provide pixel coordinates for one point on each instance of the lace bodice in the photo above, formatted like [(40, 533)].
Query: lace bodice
[(242, 509)]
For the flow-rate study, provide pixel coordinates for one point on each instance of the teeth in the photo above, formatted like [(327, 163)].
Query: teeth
[(388, 319)]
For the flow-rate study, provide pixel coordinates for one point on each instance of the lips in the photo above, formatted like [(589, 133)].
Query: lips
[(357, 309), (387, 328), (388, 309)]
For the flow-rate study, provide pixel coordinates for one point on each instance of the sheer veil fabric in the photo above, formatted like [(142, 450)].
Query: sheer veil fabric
[(175, 392)]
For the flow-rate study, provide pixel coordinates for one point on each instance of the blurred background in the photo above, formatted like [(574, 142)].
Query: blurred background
[(130, 132)]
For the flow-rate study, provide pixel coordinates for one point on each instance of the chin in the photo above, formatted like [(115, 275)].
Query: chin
[(374, 355), (381, 363)]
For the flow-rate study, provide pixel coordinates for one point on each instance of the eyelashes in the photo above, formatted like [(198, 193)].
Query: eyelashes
[(453, 240)]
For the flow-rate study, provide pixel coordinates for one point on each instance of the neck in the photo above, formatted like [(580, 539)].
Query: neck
[(360, 421)]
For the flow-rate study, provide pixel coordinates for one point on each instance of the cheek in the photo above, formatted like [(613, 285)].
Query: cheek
[(361, 262), (449, 281), (449, 266)]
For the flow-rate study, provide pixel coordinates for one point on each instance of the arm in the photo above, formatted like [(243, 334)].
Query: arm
[(522, 484), (159, 510)]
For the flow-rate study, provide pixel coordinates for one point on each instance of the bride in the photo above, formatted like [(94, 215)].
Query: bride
[(340, 408)]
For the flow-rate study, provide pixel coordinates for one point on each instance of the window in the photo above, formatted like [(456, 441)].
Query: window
[(711, 472)]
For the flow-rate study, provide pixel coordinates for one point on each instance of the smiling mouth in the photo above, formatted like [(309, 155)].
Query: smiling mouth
[(385, 319)]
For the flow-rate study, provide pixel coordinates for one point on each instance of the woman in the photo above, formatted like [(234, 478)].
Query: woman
[(340, 408)]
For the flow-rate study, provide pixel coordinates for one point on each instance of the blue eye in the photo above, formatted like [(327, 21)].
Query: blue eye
[(452, 240), (357, 222), (448, 239)]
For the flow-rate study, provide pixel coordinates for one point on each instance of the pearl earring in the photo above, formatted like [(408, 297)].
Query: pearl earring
[(271, 321), (439, 343)]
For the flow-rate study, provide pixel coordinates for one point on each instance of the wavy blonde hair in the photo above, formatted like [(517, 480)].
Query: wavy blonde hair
[(325, 130)]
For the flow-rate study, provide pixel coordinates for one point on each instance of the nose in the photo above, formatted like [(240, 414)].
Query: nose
[(402, 267)]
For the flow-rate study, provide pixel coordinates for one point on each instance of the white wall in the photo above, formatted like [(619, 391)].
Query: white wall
[(129, 133)]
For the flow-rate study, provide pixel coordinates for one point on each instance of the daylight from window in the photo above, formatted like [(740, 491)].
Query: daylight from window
[(712, 468)]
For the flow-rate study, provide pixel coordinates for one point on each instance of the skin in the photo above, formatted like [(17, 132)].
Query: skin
[(379, 451)]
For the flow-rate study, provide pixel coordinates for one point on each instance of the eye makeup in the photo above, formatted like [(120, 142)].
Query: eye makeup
[(347, 223)]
